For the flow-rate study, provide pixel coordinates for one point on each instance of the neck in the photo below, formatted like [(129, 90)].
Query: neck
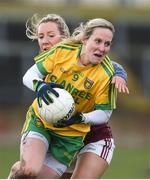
[(82, 61)]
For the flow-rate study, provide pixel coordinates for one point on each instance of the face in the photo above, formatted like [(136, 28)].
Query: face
[(97, 46), (48, 35)]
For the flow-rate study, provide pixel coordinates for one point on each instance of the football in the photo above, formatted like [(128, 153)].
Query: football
[(63, 107)]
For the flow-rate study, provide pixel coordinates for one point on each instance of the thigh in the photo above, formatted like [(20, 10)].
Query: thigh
[(34, 142), (89, 166), (32, 152), (93, 159), (103, 148)]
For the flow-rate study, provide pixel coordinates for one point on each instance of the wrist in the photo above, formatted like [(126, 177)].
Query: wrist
[(37, 84), (82, 118), (122, 75)]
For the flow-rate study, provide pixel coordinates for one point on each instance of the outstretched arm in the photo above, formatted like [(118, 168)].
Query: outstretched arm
[(120, 78)]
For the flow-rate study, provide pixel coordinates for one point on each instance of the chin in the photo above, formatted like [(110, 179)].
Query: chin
[(97, 61)]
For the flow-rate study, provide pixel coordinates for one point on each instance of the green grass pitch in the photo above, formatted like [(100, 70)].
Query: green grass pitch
[(127, 163)]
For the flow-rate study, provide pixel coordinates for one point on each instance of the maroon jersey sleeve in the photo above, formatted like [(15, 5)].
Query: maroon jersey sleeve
[(98, 132)]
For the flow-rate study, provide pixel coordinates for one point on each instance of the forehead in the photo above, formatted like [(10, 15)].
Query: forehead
[(48, 26), (101, 32)]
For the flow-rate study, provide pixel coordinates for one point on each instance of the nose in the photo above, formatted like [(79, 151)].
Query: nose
[(101, 47), (46, 43), (45, 40)]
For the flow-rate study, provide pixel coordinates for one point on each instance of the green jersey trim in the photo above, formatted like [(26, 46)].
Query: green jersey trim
[(106, 64), (103, 107), (42, 69), (41, 57), (112, 100)]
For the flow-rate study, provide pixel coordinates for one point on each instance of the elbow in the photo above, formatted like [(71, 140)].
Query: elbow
[(24, 79)]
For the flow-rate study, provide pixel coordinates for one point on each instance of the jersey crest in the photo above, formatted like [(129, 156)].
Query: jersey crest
[(88, 83)]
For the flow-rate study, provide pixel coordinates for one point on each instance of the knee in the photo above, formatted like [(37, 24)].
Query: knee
[(14, 169), (27, 170), (21, 170), (16, 166)]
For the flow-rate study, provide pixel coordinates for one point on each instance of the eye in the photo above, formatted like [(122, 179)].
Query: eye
[(51, 35), (40, 36), (98, 41), (107, 44)]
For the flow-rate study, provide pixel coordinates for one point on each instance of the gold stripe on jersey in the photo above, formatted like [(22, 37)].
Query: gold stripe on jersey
[(44, 54), (112, 93), (113, 96), (108, 67), (90, 87)]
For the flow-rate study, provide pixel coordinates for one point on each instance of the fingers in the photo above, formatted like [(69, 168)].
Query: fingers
[(122, 88), (120, 84), (55, 92), (46, 98), (44, 91), (39, 99), (126, 90), (60, 124)]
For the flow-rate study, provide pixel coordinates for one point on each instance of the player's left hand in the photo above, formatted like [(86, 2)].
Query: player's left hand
[(76, 119), (44, 89), (120, 84)]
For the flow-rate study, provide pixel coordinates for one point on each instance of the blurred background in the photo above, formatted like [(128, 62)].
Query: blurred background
[(131, 48)]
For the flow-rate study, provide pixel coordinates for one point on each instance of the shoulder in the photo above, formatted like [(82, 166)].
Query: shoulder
[(68, 46), (45, 54), (58, 49)]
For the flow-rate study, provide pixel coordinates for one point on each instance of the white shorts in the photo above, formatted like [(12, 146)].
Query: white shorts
[(103, 148), (54, 164), (50, 161)]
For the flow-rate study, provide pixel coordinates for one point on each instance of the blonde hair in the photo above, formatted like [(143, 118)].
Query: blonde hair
[(86, 30), (33, 23)]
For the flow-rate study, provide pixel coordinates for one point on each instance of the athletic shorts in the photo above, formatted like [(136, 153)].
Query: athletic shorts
[(61, 148), (103, 148)]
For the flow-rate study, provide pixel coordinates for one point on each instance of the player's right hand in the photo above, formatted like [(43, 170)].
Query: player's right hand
[(76, 119), (44, 89)]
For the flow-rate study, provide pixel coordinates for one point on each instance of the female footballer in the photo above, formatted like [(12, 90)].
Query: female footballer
[(45, 46)]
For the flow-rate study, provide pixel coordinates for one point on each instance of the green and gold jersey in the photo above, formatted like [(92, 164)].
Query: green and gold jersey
[(90, 86)]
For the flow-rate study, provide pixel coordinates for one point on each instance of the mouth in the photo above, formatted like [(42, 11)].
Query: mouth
[(45, 48), (98, 55)]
